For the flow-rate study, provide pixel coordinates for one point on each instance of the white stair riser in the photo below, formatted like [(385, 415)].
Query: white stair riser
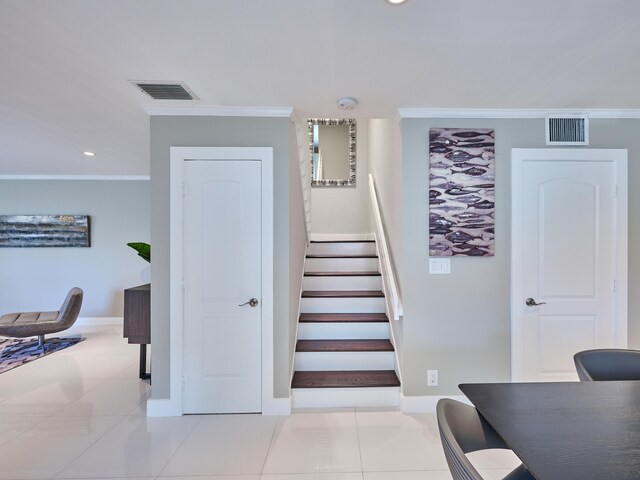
[(343, 331), (342, 305), (343, 283), (341, 265), (343, 248), (345, 397), (320, 361)]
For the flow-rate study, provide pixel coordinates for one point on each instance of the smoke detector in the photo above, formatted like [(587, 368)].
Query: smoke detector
[(347, 103)]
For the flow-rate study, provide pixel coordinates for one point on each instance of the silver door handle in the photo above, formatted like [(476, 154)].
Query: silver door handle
[(253, 303), (532, 303)]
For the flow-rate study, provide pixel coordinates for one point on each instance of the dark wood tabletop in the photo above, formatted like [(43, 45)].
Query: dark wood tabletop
[(568, 430)]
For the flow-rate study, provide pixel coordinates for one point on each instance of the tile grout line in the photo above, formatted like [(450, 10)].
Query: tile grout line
[(355, 413), (57, 474), (273, 434), (199, 417)]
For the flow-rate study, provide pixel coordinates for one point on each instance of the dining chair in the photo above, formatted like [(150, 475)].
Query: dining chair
[(607, 364), (463, 430)]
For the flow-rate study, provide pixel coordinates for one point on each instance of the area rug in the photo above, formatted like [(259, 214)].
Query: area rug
[(18, 351)]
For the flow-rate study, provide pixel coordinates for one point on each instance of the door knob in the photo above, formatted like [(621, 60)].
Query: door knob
[(532, 303), (253, 303)]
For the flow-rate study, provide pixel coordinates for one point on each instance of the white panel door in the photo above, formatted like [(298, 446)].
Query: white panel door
[(565, 299), (222, 268)]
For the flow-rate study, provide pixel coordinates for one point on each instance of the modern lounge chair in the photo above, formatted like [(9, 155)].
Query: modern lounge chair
[(607, 364), (463, 430), (31, 324)]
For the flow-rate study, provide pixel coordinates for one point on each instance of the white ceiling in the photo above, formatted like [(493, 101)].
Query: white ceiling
[(65, 64)]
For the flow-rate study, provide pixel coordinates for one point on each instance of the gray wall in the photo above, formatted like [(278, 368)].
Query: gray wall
[(216, 131), (345, 210), (39, 278), (385, 165), (459, 323)]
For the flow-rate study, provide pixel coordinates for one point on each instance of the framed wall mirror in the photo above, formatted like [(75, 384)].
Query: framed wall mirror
[(332, 144)]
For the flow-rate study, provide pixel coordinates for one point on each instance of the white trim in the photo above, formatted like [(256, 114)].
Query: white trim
[(345, 397), (338, 237), (619, 158), (278, 406), (178, 155), (295, 340), (98, 321), (513, 112), (218, 111), (77, 177), (426, 403), (392, 297), (163, 408)]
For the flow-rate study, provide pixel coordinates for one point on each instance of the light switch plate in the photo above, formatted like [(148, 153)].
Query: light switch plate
[(439, 266)]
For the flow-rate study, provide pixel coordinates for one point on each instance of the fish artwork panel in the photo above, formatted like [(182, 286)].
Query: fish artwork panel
[(461, 192)]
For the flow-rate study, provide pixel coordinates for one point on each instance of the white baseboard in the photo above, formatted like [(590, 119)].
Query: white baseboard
[(161, 407), (277, 406), (98, 321), (425, 403), (336, 237), (345, 397)]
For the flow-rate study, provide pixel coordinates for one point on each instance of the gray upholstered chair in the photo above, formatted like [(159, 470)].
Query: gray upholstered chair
[(31, 324), (463, 430), (607, 364)]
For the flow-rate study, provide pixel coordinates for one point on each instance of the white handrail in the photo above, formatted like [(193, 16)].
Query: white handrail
[(383, 253), (304, 159)]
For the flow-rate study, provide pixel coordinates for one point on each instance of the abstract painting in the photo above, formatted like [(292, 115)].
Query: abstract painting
[(461, 192), (44, 231)]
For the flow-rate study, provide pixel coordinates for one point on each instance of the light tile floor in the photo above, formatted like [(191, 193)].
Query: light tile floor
[(80, 413)]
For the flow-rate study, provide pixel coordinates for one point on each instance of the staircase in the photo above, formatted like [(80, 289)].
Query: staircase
[(343, 356)]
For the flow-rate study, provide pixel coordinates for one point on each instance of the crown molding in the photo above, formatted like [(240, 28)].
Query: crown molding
[(219, 111), (77, 177), (514, 112)]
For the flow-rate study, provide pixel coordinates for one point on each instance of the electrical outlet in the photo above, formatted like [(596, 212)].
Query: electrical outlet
[(432, 378)]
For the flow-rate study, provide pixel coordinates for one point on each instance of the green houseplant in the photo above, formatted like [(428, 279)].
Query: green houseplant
[(143, 249)]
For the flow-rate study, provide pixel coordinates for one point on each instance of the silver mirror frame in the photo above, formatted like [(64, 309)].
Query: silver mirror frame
[(351, 122)]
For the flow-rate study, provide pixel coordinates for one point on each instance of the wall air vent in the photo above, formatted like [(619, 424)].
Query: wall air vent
[(166, 90), (567, 129)]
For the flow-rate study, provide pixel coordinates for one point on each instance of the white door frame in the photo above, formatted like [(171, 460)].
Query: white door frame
[(178, 155), (518, 157)]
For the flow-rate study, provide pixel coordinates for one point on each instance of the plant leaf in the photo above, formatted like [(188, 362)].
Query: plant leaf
[(143, 249)]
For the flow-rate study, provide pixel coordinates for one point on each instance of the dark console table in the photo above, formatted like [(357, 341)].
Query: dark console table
[(137, 321)]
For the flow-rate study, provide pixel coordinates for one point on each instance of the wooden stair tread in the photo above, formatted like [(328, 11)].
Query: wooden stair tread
[(342, 241), (345, 379), (341, 274), (342, 294), (342, 255), (342, 317), (344, 346)]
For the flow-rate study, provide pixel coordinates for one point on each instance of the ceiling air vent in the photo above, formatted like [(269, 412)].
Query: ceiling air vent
[(567, 130), (166, 90)]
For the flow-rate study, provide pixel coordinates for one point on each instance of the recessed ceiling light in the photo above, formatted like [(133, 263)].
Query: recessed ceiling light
[(396, 2), (89, 154)]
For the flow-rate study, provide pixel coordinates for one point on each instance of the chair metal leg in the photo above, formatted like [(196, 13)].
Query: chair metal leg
[(41, 340)]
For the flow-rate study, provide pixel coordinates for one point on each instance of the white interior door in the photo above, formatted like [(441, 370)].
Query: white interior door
[(564, 282), (222, 270)]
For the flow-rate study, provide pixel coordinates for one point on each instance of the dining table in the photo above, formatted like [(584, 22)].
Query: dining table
[(566, 430)]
